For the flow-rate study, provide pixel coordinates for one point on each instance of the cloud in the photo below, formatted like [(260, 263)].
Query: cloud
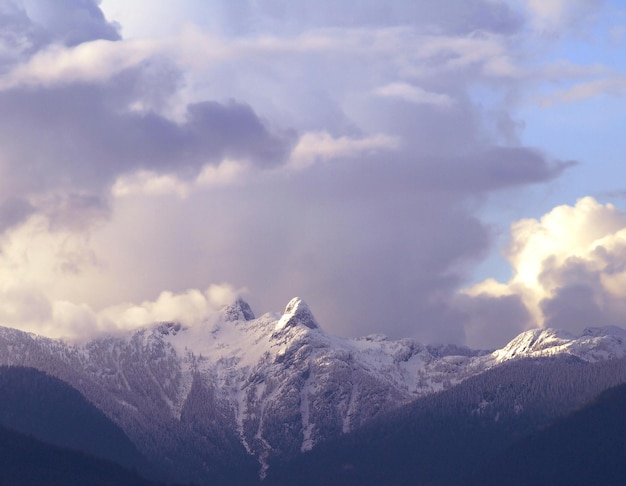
[(151, 183), (30, 310), (289, 150), (70, 22), (414, 94), (490, 321), (568, 270), (23, 305), (13, 212), (614, 85), (247, 16), (57, 277), (555, 16), (567, 82), (190, 307), (26, 26), (84, 144), (96, 61), (40, 261), (82, 109), (317, 146)]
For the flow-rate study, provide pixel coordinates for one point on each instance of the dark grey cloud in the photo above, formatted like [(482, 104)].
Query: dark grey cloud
[(452, 150), (580, 298), (234, 130), (469, 175), (384, 242), (366, 260), (556, 273), (383, 262), (398, 236), (26, 26), (490, 321), (78, 138), (574, 307), (69, 22), (14, 211), (502, 167)]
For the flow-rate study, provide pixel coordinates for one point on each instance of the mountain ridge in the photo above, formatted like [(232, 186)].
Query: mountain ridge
[(278, 384)]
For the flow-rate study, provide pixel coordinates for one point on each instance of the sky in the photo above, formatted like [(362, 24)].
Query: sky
[(450, 171)]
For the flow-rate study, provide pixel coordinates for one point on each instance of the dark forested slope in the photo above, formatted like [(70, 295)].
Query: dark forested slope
[(445, 438), (584, 448), (25, 461), (50, 410)]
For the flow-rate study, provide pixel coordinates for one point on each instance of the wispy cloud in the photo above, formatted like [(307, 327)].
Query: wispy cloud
[(414, 94), (608, 86), (319, 146)]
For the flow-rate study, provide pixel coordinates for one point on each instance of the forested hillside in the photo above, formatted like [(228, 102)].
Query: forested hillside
[(444, 439), (25, 461), (50, 410), (587, 447)]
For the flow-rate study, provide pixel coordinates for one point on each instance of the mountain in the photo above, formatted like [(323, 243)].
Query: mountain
[(26, 461), (595, 344), (444, 439), (586, 447), (50, 410), (222, 399)]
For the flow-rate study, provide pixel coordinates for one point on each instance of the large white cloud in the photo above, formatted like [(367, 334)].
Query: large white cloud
[(569, 272), (59, 286)]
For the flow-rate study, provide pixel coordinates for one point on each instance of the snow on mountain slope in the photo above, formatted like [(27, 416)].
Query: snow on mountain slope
[(271, 386), (595, 344)]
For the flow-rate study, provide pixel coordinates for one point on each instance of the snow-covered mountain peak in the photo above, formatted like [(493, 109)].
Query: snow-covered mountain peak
[(237, 311), (297, 313), (535, 340), (595, 343)]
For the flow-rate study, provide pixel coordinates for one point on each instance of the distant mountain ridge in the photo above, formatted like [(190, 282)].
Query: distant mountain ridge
[(222, 399)]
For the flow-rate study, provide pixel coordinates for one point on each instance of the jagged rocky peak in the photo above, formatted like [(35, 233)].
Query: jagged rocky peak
[(238, 311), (297, 313), (169, 328)]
